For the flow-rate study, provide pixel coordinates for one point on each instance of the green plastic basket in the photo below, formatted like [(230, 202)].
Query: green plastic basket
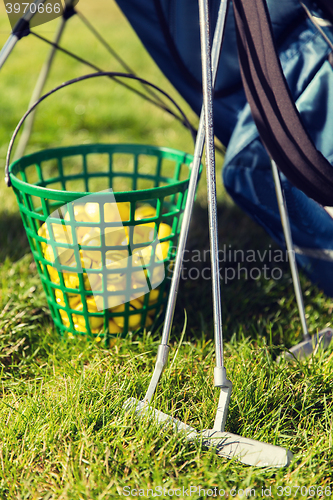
[(46, 185), (96, 283)]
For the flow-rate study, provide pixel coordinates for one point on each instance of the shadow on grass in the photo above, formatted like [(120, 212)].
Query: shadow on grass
[(252, 281), (250, 295), (13, 240)]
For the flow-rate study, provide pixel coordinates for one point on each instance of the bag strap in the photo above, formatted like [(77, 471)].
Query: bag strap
[(272, 106)]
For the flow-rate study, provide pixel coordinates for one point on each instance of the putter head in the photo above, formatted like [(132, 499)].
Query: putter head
[(143, 409), (304, 349), (247, 451)]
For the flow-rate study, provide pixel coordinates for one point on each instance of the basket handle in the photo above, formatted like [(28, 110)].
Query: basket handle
[(110, 74)]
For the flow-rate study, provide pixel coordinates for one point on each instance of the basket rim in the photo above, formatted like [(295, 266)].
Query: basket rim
[(66, 196)]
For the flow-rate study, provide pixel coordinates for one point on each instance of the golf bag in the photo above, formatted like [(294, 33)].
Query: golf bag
[(248, 99)]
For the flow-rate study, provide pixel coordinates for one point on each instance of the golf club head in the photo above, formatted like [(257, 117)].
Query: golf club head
[(142, 408), (306, 348), (247, 451)]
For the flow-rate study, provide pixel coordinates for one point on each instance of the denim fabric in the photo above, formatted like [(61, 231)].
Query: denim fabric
[(169, 29)]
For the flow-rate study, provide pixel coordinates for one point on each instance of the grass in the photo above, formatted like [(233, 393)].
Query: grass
[(63, 432)]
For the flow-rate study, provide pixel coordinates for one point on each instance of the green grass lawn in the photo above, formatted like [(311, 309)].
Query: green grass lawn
[(63, 432)]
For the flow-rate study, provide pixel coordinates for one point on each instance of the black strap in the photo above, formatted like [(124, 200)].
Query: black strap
[(272, 106)]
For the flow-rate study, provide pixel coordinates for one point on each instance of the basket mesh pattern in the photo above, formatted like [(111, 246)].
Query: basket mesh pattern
[(51, 184)]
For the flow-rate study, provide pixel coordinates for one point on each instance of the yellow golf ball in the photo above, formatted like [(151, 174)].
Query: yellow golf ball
[(73, 299), (63, 256), (91, 305), (113, 327), (54, 276), (115, 236), (64, 317), (164, 230), (91, 259), (92, 210), (144, 233), (92, 237), (153, 297), (148, 321), (134, 320), (163, 250), (95, 322), (71, 280), (144, 212), (42, 231), (139, 279), (92, 281), (61, 233), (114, 257), (116, 211), (80, 214), (111, 301), (78, 326), (115, 260)]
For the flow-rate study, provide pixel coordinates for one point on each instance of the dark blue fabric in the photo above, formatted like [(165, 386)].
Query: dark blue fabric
[(169, 29)]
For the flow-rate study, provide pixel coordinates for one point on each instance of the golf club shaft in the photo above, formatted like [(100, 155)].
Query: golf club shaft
[(217, 44), (290, 247), (211, 178)]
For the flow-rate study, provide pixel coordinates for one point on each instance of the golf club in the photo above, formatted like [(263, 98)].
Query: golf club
[(322, 339), (248, 451)]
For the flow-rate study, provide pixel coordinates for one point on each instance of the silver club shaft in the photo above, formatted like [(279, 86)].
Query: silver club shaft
[(290, 247), (217, 44), (200, 141), (207, 88)]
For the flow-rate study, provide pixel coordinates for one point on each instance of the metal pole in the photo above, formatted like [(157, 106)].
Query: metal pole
[(37, 92), (7, 49), (290, 248), (13, 38), (164, 348)]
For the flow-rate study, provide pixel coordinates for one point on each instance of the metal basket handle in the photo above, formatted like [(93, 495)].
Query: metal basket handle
[(110, 74)]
